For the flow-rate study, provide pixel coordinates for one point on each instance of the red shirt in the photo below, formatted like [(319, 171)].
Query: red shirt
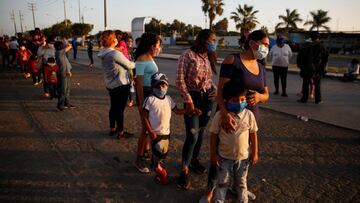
[(51, 72), (23, 55)]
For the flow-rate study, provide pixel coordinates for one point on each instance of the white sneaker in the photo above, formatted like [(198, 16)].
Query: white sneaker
[(141, 166), (36, 83)]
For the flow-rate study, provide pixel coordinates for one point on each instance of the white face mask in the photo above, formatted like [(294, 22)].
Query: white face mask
[(261, 52), (116, 41)]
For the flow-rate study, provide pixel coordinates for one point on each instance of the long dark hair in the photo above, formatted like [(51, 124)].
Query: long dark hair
[(256, 35), (147, 40), (200, 46)]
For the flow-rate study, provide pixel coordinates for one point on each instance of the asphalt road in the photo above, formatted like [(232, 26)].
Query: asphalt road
[(52, 156)]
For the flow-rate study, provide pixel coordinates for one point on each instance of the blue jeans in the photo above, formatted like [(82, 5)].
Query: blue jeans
[(195, 126), (236, 169), (52, 90), (64, 91)]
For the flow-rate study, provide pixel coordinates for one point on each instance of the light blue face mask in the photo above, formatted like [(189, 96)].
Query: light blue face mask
[(160, 92), (212, 47), (236, 107)]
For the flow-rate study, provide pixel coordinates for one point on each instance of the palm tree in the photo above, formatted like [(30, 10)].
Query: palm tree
[(244, 18), (319, 20), (212, 8), (289, 20)]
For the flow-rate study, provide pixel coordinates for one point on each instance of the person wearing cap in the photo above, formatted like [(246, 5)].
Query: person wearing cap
[(280, 55), (312, 60), (156, 115)]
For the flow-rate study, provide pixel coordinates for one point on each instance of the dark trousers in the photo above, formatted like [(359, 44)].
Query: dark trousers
[(24, 66), (195, 127), (52, 90), (64, 91), (5, 58), (74, 53), (118, 100), (13, 55), (305, 88), (45, 84), (90, 54), (36, 77), (280, 72)]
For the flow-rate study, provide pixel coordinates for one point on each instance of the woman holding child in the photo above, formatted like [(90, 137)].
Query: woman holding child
[(242, 67), (115, 67)]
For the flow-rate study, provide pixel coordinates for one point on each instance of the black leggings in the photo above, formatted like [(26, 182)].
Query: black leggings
[(282, 73), (118, 100)]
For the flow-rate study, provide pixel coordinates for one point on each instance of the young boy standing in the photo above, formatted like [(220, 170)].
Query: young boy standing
[(156, 115), (64, 75), (233, 151), (51, 70)]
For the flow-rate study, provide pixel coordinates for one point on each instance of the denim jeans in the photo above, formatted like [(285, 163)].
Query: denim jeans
[(195, 126), (236, 169), (64, 91)]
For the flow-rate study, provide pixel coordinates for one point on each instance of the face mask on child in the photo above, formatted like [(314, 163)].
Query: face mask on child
[(51, 64), (160, 92), (236, 107)]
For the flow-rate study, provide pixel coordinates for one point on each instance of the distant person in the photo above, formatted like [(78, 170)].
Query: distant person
[(90, 47), (115, 67), (4, 47), (194, 73), (44, 52), (64, 76), (33, 45), (156, 115), (74, 45), (13, 47), (312, 59), (234, 151), (145, 67), (23, 56), (51, 70), (352, 71), (280, 55)]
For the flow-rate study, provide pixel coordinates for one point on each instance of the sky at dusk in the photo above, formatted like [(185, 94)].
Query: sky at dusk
[(344, 13)]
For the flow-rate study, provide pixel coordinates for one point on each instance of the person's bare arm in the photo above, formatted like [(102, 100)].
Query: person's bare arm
[(146, 123), (254, 148), (139, 91)]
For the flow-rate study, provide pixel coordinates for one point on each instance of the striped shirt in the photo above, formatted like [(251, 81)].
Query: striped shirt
[(193, 74)]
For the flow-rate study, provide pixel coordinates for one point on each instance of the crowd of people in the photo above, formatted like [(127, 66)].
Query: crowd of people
[(234, 128), (44, 59)]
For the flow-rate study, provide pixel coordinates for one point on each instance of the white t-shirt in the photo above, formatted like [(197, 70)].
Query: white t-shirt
[(235, 145), (280, 56), (159, 113), (14, 45)]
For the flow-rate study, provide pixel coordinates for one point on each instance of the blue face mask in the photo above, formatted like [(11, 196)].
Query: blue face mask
[(236, 107), (160, 92), (212, 47)]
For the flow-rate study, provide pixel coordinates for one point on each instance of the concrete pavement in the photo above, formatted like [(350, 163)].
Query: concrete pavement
[(341, 105)]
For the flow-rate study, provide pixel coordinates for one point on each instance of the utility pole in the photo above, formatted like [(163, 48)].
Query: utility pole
[(32, 7), (79, 11), (82, 19), (105, 21), (21, 16), (65, 12), (12, 16)]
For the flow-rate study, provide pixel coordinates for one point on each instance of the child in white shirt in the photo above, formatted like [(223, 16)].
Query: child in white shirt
[(233, 151), (156, 116)]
